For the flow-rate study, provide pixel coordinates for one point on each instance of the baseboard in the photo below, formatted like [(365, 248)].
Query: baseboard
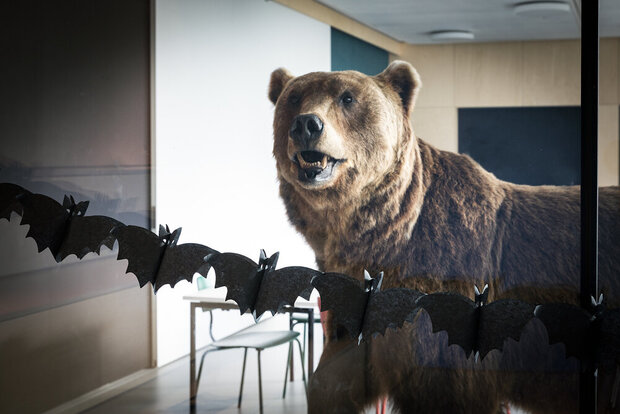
[(105, 392)]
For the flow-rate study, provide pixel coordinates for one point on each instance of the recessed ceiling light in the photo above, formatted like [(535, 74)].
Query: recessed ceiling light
[(452, 35), (541, 8)]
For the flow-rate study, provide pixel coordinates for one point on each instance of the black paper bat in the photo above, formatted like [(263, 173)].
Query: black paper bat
[(475, 325), (259, 287), (64, 229), (10, 196), (157, 258), (585, 335), (362, 308)]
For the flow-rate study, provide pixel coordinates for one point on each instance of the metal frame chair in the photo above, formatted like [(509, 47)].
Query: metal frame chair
[(258, 340)]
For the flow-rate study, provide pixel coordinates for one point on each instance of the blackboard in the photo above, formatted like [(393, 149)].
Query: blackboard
[(524, 145)]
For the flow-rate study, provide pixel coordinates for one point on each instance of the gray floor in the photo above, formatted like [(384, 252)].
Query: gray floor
[(219, 387)]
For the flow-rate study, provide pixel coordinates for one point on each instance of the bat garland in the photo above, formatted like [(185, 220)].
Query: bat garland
[(475, 325)]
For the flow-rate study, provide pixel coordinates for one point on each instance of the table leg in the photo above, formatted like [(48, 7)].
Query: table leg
[(192, 356)]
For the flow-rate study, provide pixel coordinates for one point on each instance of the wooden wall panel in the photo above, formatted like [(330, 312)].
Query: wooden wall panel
[(438, 126), (488, 74), (608, 149), (50, 357), (541, 73), (435, 64), (551, 73), (609, 71)]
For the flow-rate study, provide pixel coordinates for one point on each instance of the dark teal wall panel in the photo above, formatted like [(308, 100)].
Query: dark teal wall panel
[(349, 52)]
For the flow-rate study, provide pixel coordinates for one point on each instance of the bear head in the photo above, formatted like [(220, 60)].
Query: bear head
[(341, 132)]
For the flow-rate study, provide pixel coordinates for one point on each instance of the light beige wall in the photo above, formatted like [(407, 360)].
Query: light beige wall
[(541, 73)]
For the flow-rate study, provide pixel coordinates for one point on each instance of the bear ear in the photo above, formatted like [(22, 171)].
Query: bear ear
[(279, 79), (404, 79)]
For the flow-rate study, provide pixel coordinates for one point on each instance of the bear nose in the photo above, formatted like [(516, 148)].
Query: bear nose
[(306, 129)]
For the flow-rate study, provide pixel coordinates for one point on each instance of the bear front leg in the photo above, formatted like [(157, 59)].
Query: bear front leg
[(340, 383)]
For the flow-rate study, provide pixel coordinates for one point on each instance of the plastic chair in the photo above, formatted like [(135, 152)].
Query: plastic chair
[(258, 340)]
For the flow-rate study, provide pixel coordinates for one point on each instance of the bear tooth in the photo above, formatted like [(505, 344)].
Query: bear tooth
[(305, 164)]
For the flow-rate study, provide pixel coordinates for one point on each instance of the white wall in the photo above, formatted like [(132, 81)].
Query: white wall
[(215, 175)]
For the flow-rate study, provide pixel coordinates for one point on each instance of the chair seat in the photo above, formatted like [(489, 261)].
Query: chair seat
[(259, 340)]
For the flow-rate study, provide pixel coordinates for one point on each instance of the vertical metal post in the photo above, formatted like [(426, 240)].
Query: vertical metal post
[(310, 342), (193, 387), (589, 185)]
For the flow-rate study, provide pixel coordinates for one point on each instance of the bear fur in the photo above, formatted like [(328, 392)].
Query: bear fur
[(366, 193)]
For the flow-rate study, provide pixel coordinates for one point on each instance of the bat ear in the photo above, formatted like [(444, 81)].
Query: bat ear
[(81, 208), (263, 255), (481, 297), (162, 231), (174, 238), (273, 260), (66, 202), (379, 279)]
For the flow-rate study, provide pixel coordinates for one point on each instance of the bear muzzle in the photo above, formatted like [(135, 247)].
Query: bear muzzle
[(314, 167)]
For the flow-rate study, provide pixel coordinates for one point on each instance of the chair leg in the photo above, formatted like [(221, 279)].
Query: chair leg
[(303, 370), (289, 363), (245, 355), (260, 384), (291, 325)]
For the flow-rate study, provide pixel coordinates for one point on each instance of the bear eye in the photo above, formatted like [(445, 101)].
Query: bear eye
[(347, 99), (294, 99)]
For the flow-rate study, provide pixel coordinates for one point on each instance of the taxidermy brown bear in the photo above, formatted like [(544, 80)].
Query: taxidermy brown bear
[(366, 193)]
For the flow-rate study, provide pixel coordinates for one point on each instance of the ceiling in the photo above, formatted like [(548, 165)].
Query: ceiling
[(413, 21)]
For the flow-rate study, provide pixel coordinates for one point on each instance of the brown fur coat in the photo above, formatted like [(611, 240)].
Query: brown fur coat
[(433, 221)]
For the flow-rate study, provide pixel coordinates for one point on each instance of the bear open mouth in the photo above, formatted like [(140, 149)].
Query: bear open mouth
[(314, 166)]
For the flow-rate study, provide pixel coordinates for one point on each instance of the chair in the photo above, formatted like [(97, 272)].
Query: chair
[(258, 340)]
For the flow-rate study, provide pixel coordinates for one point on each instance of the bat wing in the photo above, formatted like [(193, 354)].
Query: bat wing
[(10, 194), (47, 220), (181, 262), (239, 274), (345, 297), (142, 249), (454, 314), (87, 234), (389, 309), (502, 319), (568, 324), (282, 287)]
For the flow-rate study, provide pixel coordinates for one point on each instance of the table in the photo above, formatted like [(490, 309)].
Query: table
[(212, 302)]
